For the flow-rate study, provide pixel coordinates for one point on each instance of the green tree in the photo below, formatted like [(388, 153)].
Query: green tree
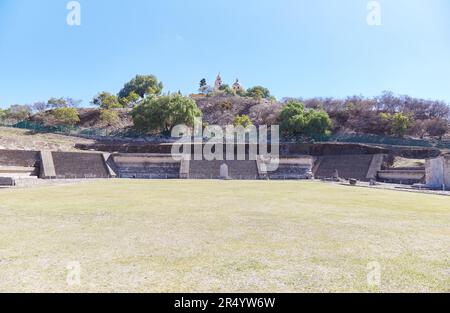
[(203, 85), (298, 122), (318, 124), (399, 123), (56, 102), (241, 92), (258, 92), (227, 90), (131, 101), (66, 116), (161, 114), (106, 100), (142, 85), (242, 120)]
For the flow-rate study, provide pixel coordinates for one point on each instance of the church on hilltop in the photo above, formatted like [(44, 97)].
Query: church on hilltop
[(218, 87), (218, 84)]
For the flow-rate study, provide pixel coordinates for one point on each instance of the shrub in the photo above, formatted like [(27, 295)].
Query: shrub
[(109, 117), (436, 127), (66, 116), (243, 120), (226, 89), (226, 105), (2, 114)]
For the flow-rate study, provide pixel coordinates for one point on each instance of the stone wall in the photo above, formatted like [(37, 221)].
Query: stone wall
[(354, 166), (17, 163), (19, 158), (212, 169), (285, 149), (71, 165), (7, 181), (438, 172)]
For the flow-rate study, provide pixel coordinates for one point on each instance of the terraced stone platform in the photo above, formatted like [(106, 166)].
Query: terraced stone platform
[(146, 166), (79, 165), (355, 166), (212, 169)]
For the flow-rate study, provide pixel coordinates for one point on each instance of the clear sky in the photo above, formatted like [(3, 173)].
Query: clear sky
[(298, 48)]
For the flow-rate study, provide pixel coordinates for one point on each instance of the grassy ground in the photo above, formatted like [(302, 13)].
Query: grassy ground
[(212, 236)]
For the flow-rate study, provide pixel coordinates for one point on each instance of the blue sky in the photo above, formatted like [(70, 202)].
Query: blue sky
[(296, 48)]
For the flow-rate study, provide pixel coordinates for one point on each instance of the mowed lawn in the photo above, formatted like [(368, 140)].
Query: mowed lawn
[(223, 236)]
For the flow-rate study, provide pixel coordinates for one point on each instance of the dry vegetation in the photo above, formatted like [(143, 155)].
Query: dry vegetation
[(154, 236), (222, 110), (405, 163), (20, 139)]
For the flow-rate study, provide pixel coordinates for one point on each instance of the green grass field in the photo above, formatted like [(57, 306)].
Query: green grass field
[(222, 236)]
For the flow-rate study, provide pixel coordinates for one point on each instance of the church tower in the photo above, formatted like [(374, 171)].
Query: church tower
[(218, 82), (237, 85)]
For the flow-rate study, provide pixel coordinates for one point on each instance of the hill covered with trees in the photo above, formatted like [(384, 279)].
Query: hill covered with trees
[(141, 107)]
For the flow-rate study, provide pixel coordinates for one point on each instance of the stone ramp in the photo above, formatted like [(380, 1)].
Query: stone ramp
[(245, 170), (354, 166)]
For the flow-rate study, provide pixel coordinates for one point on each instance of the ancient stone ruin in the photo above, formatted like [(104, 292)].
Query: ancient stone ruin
[(438, 173), (155, 161)]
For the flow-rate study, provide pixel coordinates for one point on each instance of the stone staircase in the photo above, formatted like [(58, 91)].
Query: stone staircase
[(18, 171), (244, 170), (140, 166), (291, 172), (354, 166)]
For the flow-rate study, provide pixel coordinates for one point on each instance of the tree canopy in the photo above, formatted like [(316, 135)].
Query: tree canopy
[(106, 100), (63, 103), (298, 122), (18, 112), (161, 114), (258, 92), (142, 85)]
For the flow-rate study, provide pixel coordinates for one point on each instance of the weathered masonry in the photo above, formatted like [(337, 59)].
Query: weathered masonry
[(155, 161), (438, 172)]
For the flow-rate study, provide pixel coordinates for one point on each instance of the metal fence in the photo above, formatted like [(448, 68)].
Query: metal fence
[(351, 138), (59, 129), (386, 140)]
